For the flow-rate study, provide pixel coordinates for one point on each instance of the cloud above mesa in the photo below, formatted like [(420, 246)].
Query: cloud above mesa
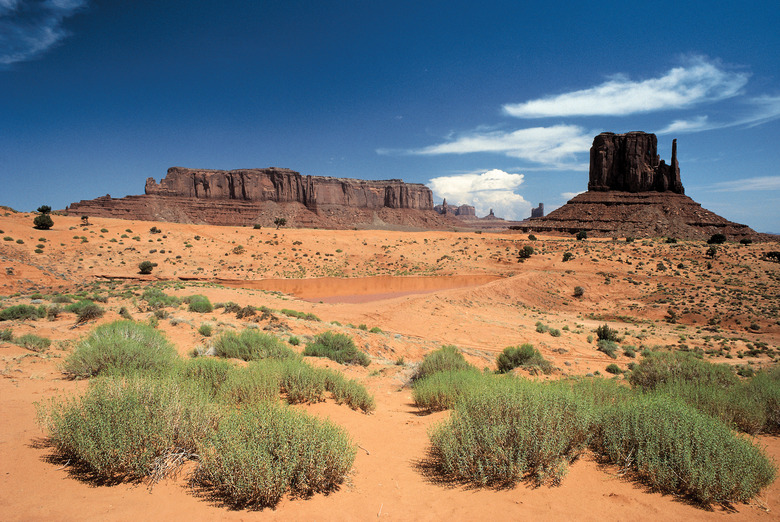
[(680, 87), (494, 189), (29, 28)]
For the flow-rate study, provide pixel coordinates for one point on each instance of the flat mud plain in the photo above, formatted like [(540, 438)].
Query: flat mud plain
[(655, 293)]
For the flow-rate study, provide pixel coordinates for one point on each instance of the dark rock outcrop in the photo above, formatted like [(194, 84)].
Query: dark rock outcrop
[(538, 211), (631, 192), (258, 196), (630, 163)]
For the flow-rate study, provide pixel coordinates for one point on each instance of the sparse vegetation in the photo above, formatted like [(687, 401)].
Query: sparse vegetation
[(337, 347), (524, 356)]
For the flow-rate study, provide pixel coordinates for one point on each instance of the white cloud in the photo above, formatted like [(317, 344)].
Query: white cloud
[(492, 189), (762, 109), (555, 145), (761, 183), (29, 28), (568, 195), (680, 87)]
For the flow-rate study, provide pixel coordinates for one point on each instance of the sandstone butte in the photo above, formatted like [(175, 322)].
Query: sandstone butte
[(632, 192), (258, 196)]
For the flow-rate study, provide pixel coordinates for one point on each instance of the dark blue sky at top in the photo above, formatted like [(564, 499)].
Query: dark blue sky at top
[(378, 90)]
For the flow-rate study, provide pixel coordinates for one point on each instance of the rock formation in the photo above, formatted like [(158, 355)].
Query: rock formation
[(538, 211), (258, 196), (631, 192), (630, 163), (462, 211)]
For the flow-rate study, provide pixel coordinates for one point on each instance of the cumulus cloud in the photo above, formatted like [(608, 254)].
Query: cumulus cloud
[(28, 28), (680, 87), (494, 189), (761, 183), (556, 145)]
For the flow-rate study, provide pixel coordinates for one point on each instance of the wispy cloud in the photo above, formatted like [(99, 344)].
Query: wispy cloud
[(680, 87), (568, 195), (28, 28), (494, 189), (761, 109), (761, 183), (555, 145)]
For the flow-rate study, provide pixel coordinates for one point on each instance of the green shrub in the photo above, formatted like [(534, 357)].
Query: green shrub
[(145, 267), (250, 385), (205, 330), (499, 434), (608, 347), (337, 347), (6, 335), (441, 390), (446, 358), (716, 239), (250, 345), (375, 330), (125, 429), (207, 373), (300, 315), (524, 356), (89, 312), (199, 304), (661, 367), (156, 298), (43, 222), (294, 341), (259, 454), (582, 235), (579, 291), (33, 342), (606, 333), (524, 253), (121, 348), (613, 369), (19, 313), (61, 299), (567, 256), (674, 448), (541, 327)]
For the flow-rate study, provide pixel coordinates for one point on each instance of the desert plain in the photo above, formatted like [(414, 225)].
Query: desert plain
[(399, 294)]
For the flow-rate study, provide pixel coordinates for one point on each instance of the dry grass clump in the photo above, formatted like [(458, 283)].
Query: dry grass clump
[(337, 347)]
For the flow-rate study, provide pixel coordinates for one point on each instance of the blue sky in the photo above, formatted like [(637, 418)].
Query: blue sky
[(489, 103)]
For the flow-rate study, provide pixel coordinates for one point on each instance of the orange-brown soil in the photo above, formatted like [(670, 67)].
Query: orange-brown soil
[(467, 289)]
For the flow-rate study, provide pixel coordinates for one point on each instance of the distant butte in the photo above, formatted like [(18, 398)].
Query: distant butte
[(632, 192), (258, 196)]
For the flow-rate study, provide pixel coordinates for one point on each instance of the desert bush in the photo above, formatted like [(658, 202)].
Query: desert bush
[(293, 340), (250, 385), (205, 330), (337, 347), (579, 291), (745, 241), (250, 345), (567, 256), (19, 313), (145, 267), (441, 390), (607, 347), (446, 358), (658, 368), (33, 342), (524, 356), (716, 239), (582, 235), (121, 348), (674, 448), (499, 434), (88, 312), (208, 373), (525, 252), (61, 299), (6, 335), (541, 327), (124, 429), (43, 222), (613, 369), (156, 298), (300, 315), (245, 312), (199, 304), (259, 454), (604, 332), (53, 312)]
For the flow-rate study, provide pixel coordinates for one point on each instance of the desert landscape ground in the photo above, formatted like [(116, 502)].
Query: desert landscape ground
[(399, 295)]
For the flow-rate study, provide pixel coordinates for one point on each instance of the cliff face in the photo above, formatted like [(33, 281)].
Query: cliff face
[(630, 163), (288, 186), (258, 196)]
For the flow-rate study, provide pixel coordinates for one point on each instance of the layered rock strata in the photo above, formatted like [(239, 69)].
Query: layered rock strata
[(632, 192), (258, 196)]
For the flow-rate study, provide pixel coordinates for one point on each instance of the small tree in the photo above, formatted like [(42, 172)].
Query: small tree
[(711, 252), (43, 222), (44, 209), (567, 256), (85, 221), (525, 252), (146, 267), (280, 222), (716, 239), (579, 291), (745, 241), (582, 235)]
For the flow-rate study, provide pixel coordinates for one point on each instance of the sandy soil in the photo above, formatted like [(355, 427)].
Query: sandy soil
[(467, 289)]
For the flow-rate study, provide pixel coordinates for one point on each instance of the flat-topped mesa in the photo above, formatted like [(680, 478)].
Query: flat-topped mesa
[(287, 186), (630, 163)]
